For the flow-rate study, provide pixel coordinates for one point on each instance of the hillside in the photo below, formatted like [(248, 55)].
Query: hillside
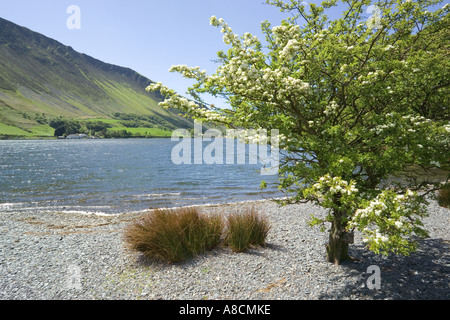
[(40, 79)]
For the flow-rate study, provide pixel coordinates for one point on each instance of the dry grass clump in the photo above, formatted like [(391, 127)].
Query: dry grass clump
[(245, 230), (174, 235), (179, 234), (443, 197)]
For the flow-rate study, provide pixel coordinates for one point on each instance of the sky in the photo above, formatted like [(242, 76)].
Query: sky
[(148, 36)]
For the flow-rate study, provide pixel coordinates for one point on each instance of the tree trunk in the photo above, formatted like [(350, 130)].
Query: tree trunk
[(337, 248)]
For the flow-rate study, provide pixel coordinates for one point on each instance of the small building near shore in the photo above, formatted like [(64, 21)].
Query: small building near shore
[(77, 136)]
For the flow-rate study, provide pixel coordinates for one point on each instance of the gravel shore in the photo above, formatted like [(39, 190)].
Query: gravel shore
[(62, 256)]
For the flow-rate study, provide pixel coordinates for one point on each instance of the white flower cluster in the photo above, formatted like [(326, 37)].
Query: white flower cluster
[(370, 77), (256, 136), (389, 212), (189, 72), (378, 205), (239, 75), (320, 36), (379, 237), (379, 129), (292, 86), (408, 124), (248, 136), (165, 91), (290, 50), (375, 73), (229, 37), (216, 22), (250, 40), (177, 102), (331, 108), (283, 34), (242, 74), (447, 127), (331, 186), (416, 120)]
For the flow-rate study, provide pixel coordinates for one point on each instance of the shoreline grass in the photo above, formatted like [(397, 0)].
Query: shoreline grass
[(175, 235), (246, 229), (443, 197)]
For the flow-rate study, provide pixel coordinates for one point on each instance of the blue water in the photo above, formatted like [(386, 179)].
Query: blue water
[(117, 176)]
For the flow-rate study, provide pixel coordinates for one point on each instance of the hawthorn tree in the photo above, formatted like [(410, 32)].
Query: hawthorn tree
[(360, 102)]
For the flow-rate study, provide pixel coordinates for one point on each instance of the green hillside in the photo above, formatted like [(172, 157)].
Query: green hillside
[(41, 79)]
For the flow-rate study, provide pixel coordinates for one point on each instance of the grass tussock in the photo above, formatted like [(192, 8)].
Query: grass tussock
[(443, 197), (245, 230), (174, 235), (179, 234)]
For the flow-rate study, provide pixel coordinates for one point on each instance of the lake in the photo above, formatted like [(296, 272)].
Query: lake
[(117, 176)]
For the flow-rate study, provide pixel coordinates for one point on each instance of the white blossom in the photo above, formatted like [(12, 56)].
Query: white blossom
[(331, 108)]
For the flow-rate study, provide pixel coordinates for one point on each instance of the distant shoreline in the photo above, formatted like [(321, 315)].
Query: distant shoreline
[(207, 206), (6, 138)]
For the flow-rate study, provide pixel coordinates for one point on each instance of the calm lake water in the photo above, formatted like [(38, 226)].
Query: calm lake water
[(116, 176)]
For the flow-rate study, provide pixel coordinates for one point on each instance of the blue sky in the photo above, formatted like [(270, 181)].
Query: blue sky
[(147, 36)]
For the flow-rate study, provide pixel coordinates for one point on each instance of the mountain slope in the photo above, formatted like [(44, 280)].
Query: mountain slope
[(39, 75)]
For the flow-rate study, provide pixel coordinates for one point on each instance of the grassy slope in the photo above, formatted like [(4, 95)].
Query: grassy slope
[(155, 132), (12, 131), (39, 75)]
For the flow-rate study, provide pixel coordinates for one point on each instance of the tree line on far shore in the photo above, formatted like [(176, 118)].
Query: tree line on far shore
[(64, 127)]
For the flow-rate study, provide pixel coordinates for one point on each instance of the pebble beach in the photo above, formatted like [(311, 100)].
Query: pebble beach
[(69, 256)]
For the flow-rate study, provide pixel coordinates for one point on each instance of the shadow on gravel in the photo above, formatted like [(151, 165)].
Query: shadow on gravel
[(146, 262), (423, 275)]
